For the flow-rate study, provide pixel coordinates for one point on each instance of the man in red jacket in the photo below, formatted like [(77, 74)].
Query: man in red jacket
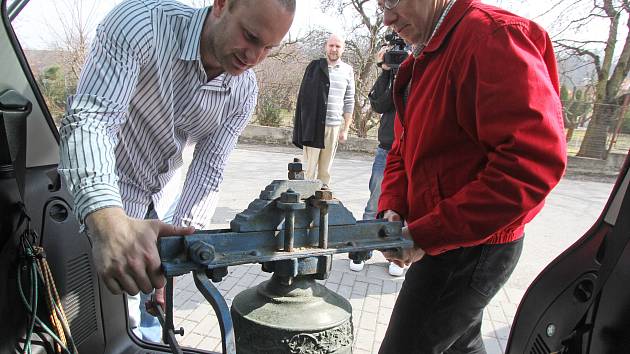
[(478, 145)]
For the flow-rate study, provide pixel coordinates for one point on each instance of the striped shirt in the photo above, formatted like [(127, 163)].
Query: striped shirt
[(142, 97), (340, 93)]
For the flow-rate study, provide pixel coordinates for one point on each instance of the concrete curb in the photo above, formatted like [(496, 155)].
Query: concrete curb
[(258, 134)]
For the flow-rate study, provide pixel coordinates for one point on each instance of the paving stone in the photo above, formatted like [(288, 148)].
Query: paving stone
[(496, 314), (388, 300), (364, 339), (383, 315), (237, 271), (389, 286), (502, 331), (332, 286), (247, 280), (335, 277), (376, 346), (368, 321), (514, 295), (348, 279), (191, 340), (206, 325), (371, 304), (202, 311), (234, 291), (207, 343), (375, 289), (360, 288), (345, 291), (492, 345), (357, 303)]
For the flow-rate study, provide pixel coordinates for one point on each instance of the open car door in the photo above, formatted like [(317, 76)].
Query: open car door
[(581, 302), (36, 211)]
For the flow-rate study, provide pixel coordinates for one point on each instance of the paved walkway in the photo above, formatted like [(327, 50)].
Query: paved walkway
[(570, 210)]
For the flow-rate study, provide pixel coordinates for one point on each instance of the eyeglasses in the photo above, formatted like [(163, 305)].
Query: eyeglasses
[(388, 4)]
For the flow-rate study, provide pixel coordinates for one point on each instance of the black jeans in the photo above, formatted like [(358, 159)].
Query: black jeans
[(440, 305)]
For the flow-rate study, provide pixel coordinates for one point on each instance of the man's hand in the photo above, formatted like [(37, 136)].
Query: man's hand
[(407, 255), (125, 250), (343, 136), (158, 299), (391, 215)]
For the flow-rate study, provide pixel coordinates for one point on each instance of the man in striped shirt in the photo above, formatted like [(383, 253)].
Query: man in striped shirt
[(159, 76), (324, 110)]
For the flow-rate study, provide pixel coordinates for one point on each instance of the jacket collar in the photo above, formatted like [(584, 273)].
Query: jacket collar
[(457, 12)]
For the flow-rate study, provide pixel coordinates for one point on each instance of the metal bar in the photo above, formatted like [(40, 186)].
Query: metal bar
[(166, 320), (214, 297), (234, 248), (289, 229), (323, 226)]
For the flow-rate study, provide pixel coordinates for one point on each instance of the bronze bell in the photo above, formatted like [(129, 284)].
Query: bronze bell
[(303, 317)]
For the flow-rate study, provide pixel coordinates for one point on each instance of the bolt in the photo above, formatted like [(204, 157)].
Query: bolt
[(384, 231), (201, 252), (551, 330), (204, 255)]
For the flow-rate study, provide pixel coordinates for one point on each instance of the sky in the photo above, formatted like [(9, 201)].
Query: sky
[(39, 22)]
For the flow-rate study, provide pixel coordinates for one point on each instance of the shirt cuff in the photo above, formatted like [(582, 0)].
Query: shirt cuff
[(92, 198)]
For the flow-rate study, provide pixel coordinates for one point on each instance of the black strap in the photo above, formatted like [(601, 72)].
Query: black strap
[(14, 109)]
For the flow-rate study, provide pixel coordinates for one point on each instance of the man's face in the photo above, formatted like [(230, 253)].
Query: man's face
[(334, 48), (411, 19), (245, 34)]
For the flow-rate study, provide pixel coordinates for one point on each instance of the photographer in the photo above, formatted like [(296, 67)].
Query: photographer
[(381, 101)]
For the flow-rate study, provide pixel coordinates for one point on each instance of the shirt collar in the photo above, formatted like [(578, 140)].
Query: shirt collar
[(191, 50), (337, 64), (190, 47), (456, 11)]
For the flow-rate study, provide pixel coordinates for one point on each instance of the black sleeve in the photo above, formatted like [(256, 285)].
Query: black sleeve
[(380, 95)]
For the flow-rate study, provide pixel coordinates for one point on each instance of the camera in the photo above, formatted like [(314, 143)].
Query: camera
[(397, 54)]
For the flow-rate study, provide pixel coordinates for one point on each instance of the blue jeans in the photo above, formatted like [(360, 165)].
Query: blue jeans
[(378, 167)]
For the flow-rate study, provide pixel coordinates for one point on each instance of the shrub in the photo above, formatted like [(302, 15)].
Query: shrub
[(269, 114)]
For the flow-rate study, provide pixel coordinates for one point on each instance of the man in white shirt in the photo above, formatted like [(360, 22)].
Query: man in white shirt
[(160, 75)]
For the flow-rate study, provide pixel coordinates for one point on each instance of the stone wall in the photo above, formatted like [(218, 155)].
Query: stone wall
[(282, 136), (589, 166)]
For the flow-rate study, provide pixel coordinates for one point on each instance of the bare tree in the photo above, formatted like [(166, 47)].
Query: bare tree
[(610, 57), (278, 79), (76, 22)]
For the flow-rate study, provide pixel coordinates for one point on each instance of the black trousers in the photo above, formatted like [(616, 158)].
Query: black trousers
[(440, 305)]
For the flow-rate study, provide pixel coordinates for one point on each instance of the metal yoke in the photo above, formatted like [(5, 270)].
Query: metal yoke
[(293, 228)]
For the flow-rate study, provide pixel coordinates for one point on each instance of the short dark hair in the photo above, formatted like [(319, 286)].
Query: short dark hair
[(289, 5)]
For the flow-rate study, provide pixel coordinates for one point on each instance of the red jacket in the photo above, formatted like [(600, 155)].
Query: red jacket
[(480, 143)]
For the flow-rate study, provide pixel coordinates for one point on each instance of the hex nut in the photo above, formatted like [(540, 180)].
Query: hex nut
[(290, 197), (324, 194)]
